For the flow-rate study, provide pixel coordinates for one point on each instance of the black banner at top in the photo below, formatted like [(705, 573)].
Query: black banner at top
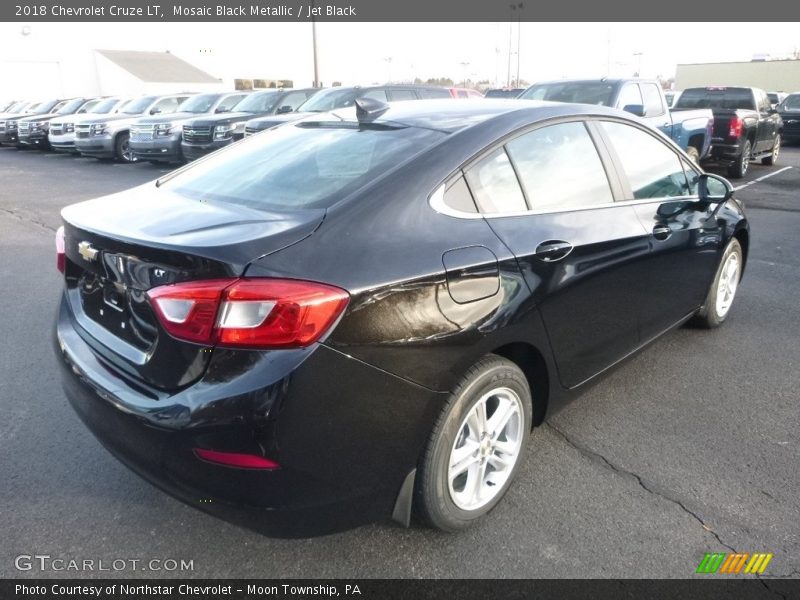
[(387, 10)]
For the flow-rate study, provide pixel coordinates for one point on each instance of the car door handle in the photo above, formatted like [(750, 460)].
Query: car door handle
[(661, 232), (553, 250)]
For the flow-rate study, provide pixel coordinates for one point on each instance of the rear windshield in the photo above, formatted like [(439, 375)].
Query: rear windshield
[(199, 104), (138, 106), (582, 92), (792, 102), (301, 166), (724, 98), (258, 102)]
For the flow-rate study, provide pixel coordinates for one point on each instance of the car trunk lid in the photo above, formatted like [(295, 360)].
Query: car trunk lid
[(119, 247)]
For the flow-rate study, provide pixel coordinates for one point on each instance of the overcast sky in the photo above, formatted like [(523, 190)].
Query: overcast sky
[(360, 52)]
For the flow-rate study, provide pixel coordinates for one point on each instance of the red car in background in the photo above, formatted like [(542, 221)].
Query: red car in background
[(464, 93)]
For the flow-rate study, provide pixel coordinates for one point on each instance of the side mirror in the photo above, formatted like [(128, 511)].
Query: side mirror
[(285, 109), (713, 188), (635, 109), (773, 110), (155, 111)]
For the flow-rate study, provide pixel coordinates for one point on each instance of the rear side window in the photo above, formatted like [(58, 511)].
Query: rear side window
[(376, 95), (653, 169), (458, 197), (399, 95), (301, 166), (433, 93), (559, 168), (495, 185), (652, 100)]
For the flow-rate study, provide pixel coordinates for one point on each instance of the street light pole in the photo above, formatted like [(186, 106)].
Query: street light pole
[(638, 56), (465, 65), (314, 42), (519, 39)]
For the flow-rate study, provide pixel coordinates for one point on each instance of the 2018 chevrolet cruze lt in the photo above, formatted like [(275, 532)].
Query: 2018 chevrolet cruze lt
[(366, 311)]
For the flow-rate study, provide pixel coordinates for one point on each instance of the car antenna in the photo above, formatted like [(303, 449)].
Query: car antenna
[(369, 109)]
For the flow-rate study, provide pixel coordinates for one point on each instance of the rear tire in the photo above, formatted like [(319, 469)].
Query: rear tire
[(772, 159), (476, 445), (742, 164), (723, 289)]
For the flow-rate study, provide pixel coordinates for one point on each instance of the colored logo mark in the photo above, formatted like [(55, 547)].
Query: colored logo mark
[(721, 562)]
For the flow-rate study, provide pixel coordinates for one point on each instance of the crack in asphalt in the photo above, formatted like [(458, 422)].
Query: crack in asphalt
[(640, 481), (17, 215), (592, 454)]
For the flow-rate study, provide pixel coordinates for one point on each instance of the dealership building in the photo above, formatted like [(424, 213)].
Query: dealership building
[(769, 75)]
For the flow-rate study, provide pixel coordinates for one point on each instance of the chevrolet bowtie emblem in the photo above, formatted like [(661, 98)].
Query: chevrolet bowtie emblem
[(86, 251)]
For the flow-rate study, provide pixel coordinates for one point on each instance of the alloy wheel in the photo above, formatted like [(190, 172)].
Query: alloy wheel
[(728, 282), (486, 449)]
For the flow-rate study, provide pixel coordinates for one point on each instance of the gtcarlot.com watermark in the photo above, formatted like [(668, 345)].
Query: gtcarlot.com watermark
[(46, 562)]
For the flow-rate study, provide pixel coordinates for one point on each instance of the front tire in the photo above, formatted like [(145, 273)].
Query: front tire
[(694, 154), (772, 159), (476, 446), (739, 169), (122, 150), (723, 289)]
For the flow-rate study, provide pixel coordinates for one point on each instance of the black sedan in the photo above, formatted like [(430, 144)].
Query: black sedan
[(365, 312)]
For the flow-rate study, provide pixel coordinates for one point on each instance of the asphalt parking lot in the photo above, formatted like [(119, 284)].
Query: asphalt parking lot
[(692, 446)]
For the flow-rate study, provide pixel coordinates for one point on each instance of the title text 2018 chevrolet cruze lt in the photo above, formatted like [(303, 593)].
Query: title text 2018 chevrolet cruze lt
[(365, 312)]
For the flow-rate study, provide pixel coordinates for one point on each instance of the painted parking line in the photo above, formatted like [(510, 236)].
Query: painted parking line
[(762, 178)]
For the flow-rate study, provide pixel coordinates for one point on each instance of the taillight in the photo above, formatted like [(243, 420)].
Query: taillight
[(735, 127), (233, 459), (249, 313), (60, 250)]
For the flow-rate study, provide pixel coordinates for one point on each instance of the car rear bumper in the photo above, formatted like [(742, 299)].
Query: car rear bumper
[(167, 150), (345, 434)]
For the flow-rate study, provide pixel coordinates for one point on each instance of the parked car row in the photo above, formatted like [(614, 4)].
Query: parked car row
[(731, 126), (180, 127)]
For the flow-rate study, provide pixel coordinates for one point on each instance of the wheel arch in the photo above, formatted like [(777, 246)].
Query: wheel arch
[(743, 236), (532, 363)]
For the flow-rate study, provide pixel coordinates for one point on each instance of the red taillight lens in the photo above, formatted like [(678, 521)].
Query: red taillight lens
[(60, 250), (233, 459), (249, 313), (736, 127)]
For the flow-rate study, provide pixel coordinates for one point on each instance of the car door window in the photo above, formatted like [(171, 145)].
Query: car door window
[(559, 168), (652, 100), (375, 94), (629, 94), (495, 186), (652, 168), (398, 95), (294, 99)]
